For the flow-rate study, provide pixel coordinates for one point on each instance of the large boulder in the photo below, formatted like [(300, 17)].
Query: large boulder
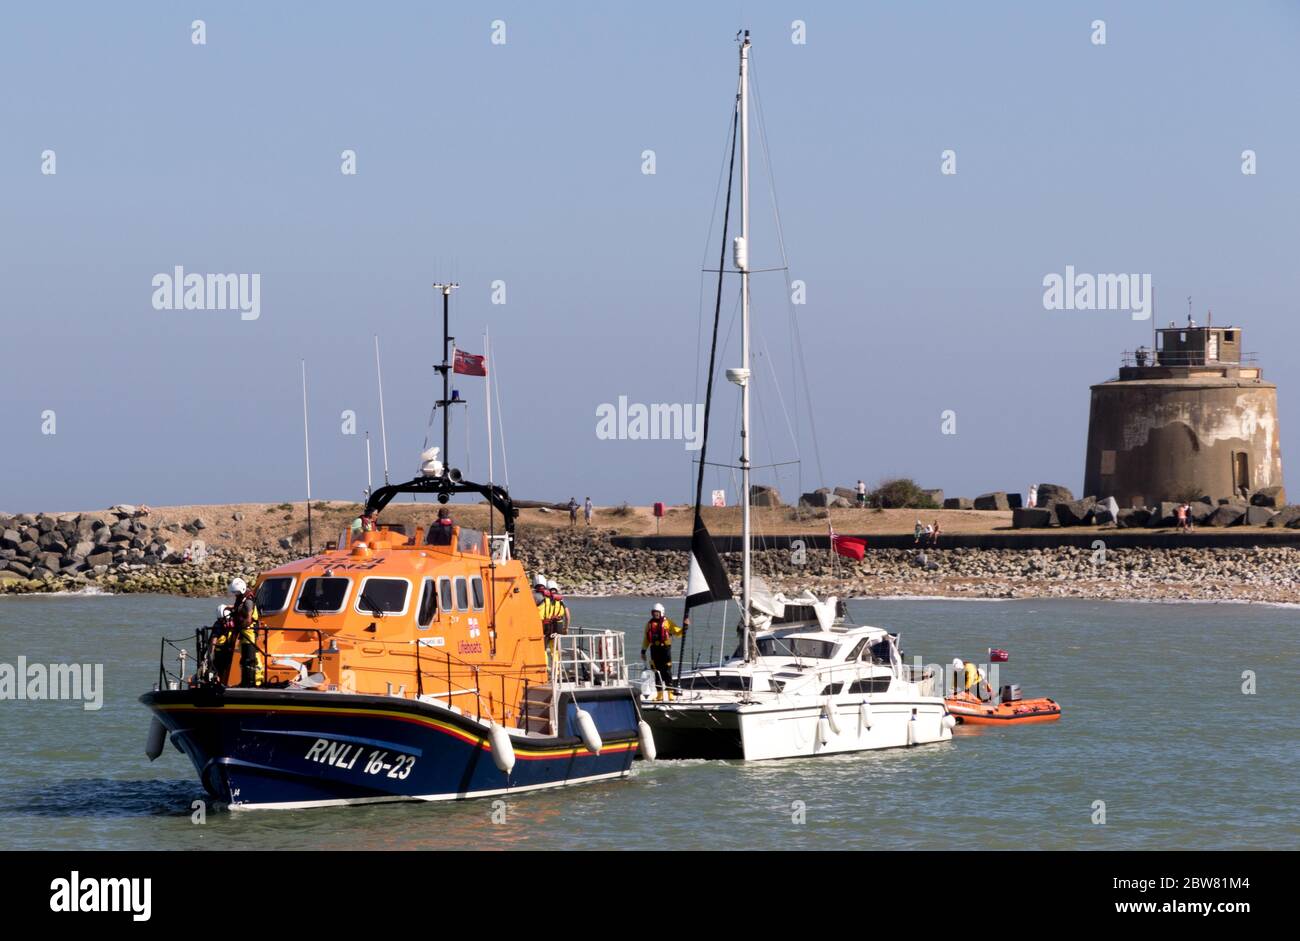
[(1030, 518), (1201, 512), (1013, 499), (96, 559), (1285, 516), (10, 539), (1227, 515), (1133, 517), (816, 500), (958, 503), (82, 549), (1106, 512), (1268, 496), (1075, 512), (1051, 494), (1258, 516), (992, 501), (761, 495)]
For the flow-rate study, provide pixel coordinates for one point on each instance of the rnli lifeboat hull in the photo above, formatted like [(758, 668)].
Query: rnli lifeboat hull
[(291, 749), (1022, 712)]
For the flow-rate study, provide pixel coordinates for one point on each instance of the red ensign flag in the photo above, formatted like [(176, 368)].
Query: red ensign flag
[(467, 364)]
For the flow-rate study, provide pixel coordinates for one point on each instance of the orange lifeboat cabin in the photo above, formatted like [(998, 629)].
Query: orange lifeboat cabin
[(402, 666)]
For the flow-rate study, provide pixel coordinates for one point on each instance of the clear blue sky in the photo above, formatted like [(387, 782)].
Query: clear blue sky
[(522, 162)]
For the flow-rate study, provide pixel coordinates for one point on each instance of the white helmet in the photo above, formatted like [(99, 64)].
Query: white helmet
[(238, 586), (539, 581), (552, 586), (657, 609)]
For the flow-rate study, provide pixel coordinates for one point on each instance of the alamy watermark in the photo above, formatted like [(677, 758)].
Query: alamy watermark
[(1071, 291), (656, 422), (181, 291), (84, 681)]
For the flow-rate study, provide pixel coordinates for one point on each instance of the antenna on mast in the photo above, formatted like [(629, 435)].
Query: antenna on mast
[(370, 487), (383, 431), (306, 445), (446, 367)]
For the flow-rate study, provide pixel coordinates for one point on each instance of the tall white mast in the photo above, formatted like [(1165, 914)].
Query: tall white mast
[(742, 262)]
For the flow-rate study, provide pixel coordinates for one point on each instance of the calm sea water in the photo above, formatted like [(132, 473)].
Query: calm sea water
[(1155, 725)]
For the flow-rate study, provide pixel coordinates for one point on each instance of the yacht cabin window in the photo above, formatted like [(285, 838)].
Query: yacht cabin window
[(805, 648)]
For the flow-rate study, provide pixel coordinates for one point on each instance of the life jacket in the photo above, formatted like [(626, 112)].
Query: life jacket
[(657, 632), (244, 606)]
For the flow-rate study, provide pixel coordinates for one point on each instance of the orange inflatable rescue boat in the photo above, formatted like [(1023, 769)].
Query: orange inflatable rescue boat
[(971, 711)]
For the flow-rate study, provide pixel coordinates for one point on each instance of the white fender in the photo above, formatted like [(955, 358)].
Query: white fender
[(949, 721), (647, 738), (503, 753), (153, 744), (911, 730), (828, 709), (864, 715), (647, 684), (587, 732), (823, 730)]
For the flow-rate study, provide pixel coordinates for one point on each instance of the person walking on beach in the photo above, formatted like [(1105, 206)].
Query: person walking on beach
[(917, 532), (934, 534), (1033, 495), (573, 512), (658, 639), (587, 510), (1182, 512), (862, 495)]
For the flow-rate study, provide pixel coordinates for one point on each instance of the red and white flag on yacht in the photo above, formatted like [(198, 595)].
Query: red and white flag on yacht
[(469, 364)]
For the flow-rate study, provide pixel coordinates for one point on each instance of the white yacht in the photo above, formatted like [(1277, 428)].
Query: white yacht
[(813, 684), (802, 681)]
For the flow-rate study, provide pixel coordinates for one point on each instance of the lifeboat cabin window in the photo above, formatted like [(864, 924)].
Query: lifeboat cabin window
[(476, 587), (273, 595), (383, 596), (444, 593), (428, 604), (323, 595), (462, 595)]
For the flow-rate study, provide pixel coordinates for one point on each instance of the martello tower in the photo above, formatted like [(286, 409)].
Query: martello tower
[(1194, 414)]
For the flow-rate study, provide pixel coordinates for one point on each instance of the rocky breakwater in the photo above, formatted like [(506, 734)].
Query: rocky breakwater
[(587, 564), (119, 550)]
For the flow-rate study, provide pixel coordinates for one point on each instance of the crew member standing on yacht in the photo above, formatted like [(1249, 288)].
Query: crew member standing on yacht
[(559, 610), (658, 639), (239, 626)]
